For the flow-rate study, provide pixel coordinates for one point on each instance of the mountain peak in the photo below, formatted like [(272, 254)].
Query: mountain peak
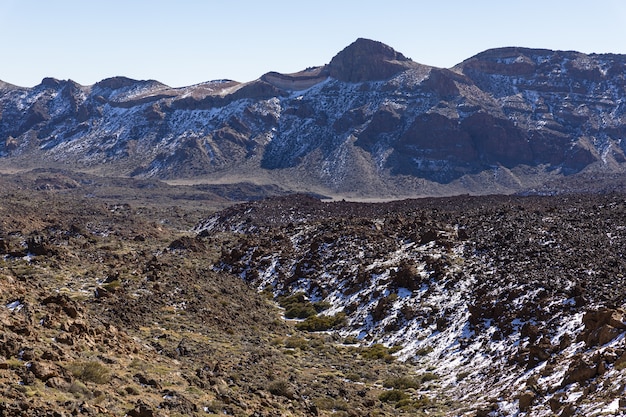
[(368, 60)]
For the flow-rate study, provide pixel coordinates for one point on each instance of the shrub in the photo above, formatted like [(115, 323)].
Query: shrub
[(429, 376), (353, 376), (296, 343), (297, 306), (90, 372), (377, 351), (350, 340), (424, 350), (281, 388), (321, 323), (299, 311), (393, 396), (79, 390), (462, 375), (321, 306)]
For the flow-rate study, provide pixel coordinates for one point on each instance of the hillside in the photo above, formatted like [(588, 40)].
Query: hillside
[(370, 123), (516, 304)]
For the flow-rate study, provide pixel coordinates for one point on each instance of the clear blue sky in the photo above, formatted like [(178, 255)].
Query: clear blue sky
[(184, 42)]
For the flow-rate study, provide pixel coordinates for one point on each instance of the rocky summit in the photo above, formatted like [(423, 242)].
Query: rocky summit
[(370, 123)]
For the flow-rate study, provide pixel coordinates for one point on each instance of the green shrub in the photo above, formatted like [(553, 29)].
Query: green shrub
[(321, 323), (395, 349), (428, 376), (297, 306), (295, 342), (91, 371), (79, 390), (353, 376), (300, 311), (321, 306), (424, 350), (350, 340), (377, 351), (393, 396), (281, 388)]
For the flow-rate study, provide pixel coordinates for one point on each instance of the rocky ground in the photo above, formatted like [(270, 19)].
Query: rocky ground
[(110, 308), (515, 304), (111, 305)]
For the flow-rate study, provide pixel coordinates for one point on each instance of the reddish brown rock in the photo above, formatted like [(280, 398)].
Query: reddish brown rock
[(580, 370), (44, 371)]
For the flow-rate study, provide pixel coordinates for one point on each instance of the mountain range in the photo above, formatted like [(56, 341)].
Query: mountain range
[(371, 123)]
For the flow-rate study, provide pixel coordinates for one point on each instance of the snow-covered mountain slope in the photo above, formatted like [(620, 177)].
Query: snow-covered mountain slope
[(371, 122), (516, 304)]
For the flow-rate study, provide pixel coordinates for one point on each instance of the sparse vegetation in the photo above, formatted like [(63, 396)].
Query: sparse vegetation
[(377, 351), (90, 371), (393, 396), (322, 323)]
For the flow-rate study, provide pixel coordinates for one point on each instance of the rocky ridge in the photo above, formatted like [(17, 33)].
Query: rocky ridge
[(370, 123)]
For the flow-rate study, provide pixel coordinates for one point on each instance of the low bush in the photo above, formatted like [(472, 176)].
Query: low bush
[(91, 371), (428, 376), (377, 351), (393, 396), (297, 306), (281, 388), (322, 323), (295, 342)]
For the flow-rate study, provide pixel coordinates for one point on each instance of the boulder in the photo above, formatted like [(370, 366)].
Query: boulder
[(602, 326), (526, 401), (580, 370), (44, 371)]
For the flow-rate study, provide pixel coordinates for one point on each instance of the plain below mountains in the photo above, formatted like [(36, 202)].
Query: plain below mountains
[(371, 123)]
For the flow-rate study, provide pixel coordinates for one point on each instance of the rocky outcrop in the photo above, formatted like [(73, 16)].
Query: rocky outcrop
[(367, 60), (602, 326)]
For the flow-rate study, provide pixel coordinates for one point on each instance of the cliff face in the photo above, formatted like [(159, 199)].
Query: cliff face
[(370, 122)]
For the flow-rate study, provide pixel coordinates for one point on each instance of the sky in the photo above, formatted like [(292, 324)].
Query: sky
[(186, 42)]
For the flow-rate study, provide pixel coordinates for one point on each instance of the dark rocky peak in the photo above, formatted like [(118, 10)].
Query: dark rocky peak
[(115, 83), (119, 83), (122, 89), (50, 82), (67, 86), (367, 60)]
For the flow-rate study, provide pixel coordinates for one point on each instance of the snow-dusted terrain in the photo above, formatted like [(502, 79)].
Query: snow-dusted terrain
[(515, 303), (369, 123)]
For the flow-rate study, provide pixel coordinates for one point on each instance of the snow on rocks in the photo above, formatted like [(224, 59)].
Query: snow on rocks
[(466, 287)]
